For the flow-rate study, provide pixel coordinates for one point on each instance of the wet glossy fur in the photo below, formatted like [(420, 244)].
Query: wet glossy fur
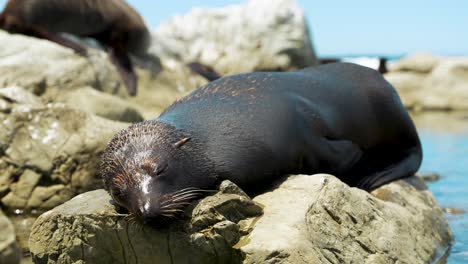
[(252, 128)]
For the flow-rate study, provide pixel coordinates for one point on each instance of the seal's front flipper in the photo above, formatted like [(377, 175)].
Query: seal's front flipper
[(341, 154), (406, 167), (122, 62)]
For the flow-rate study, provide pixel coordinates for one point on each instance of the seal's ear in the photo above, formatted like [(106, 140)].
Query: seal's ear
[(181, 142)]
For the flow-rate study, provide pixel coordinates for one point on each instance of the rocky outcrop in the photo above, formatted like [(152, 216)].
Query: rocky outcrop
[(57, 74), (48, 153), (307, 219), (42, 66), (257, 35), (260, 35), (427, 82), (88, 228), (9, 250), (321, 220)]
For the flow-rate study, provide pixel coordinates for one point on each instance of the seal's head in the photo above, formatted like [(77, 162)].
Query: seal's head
[(154, 171)]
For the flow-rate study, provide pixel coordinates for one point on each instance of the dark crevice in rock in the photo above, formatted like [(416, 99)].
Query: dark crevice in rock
[(353, 219), (83, 257), (365, 247), (132, 248), (332, 215), (122, 247), (335, 253), (169, 247)]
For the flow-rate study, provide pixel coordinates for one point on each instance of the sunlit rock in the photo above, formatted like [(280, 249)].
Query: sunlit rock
[(257, 35), (306, 219)]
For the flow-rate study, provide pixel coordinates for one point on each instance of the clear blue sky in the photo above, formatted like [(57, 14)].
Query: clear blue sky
[(358, 27)]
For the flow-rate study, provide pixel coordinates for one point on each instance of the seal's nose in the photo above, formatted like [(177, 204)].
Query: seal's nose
[(148, 212)]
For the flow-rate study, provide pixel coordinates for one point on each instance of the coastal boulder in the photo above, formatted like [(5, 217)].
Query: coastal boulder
[(48, 152), (306, 219), (88, 229), (258, 35), (320, 219), (57, 74), (426, 82), (43, 66)]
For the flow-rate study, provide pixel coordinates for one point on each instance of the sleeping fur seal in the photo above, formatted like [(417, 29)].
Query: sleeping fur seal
[(253, 128)]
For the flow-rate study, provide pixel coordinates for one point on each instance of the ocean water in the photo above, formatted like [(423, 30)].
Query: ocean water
[(445, 145)]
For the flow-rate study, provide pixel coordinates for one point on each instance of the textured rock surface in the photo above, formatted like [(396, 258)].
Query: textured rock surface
[(42, 66), (9, 250), (48, 153), (321, 220), (258, 35), (105, 105), (55, 72), (426, 82), (307, 219), (88, 228)]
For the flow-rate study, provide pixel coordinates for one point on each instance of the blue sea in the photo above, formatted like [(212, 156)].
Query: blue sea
[(445, 144)]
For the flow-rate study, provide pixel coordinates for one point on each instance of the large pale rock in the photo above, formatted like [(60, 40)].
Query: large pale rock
[(43, 66), (48, 153), (426, 82), (419, 62), (306, 219), (88, 229), (257, 35), (9, 250), (54, 72), (319, 219)]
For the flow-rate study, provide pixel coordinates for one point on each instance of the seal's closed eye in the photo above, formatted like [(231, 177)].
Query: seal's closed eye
[(161, 169)]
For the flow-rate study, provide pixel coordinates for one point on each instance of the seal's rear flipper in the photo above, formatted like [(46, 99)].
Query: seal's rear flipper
[(402, 169), (206, 71), (122, 62)]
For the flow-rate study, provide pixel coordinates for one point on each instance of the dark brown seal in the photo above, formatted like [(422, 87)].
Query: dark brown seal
[(253, 128), (113, 23)]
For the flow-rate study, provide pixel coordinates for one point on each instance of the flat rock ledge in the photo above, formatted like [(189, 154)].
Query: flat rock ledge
[(306, 219)]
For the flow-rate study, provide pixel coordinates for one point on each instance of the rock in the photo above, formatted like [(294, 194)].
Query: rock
[(257, 35), (260, 35), (431, 83), (319, 219), (429, 177), (307, 219), (9, 250), (48, 153), (453, 210), (105, 105), (87, 228), (54, 72), (43, 66), (419, 62), (156, 93)]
